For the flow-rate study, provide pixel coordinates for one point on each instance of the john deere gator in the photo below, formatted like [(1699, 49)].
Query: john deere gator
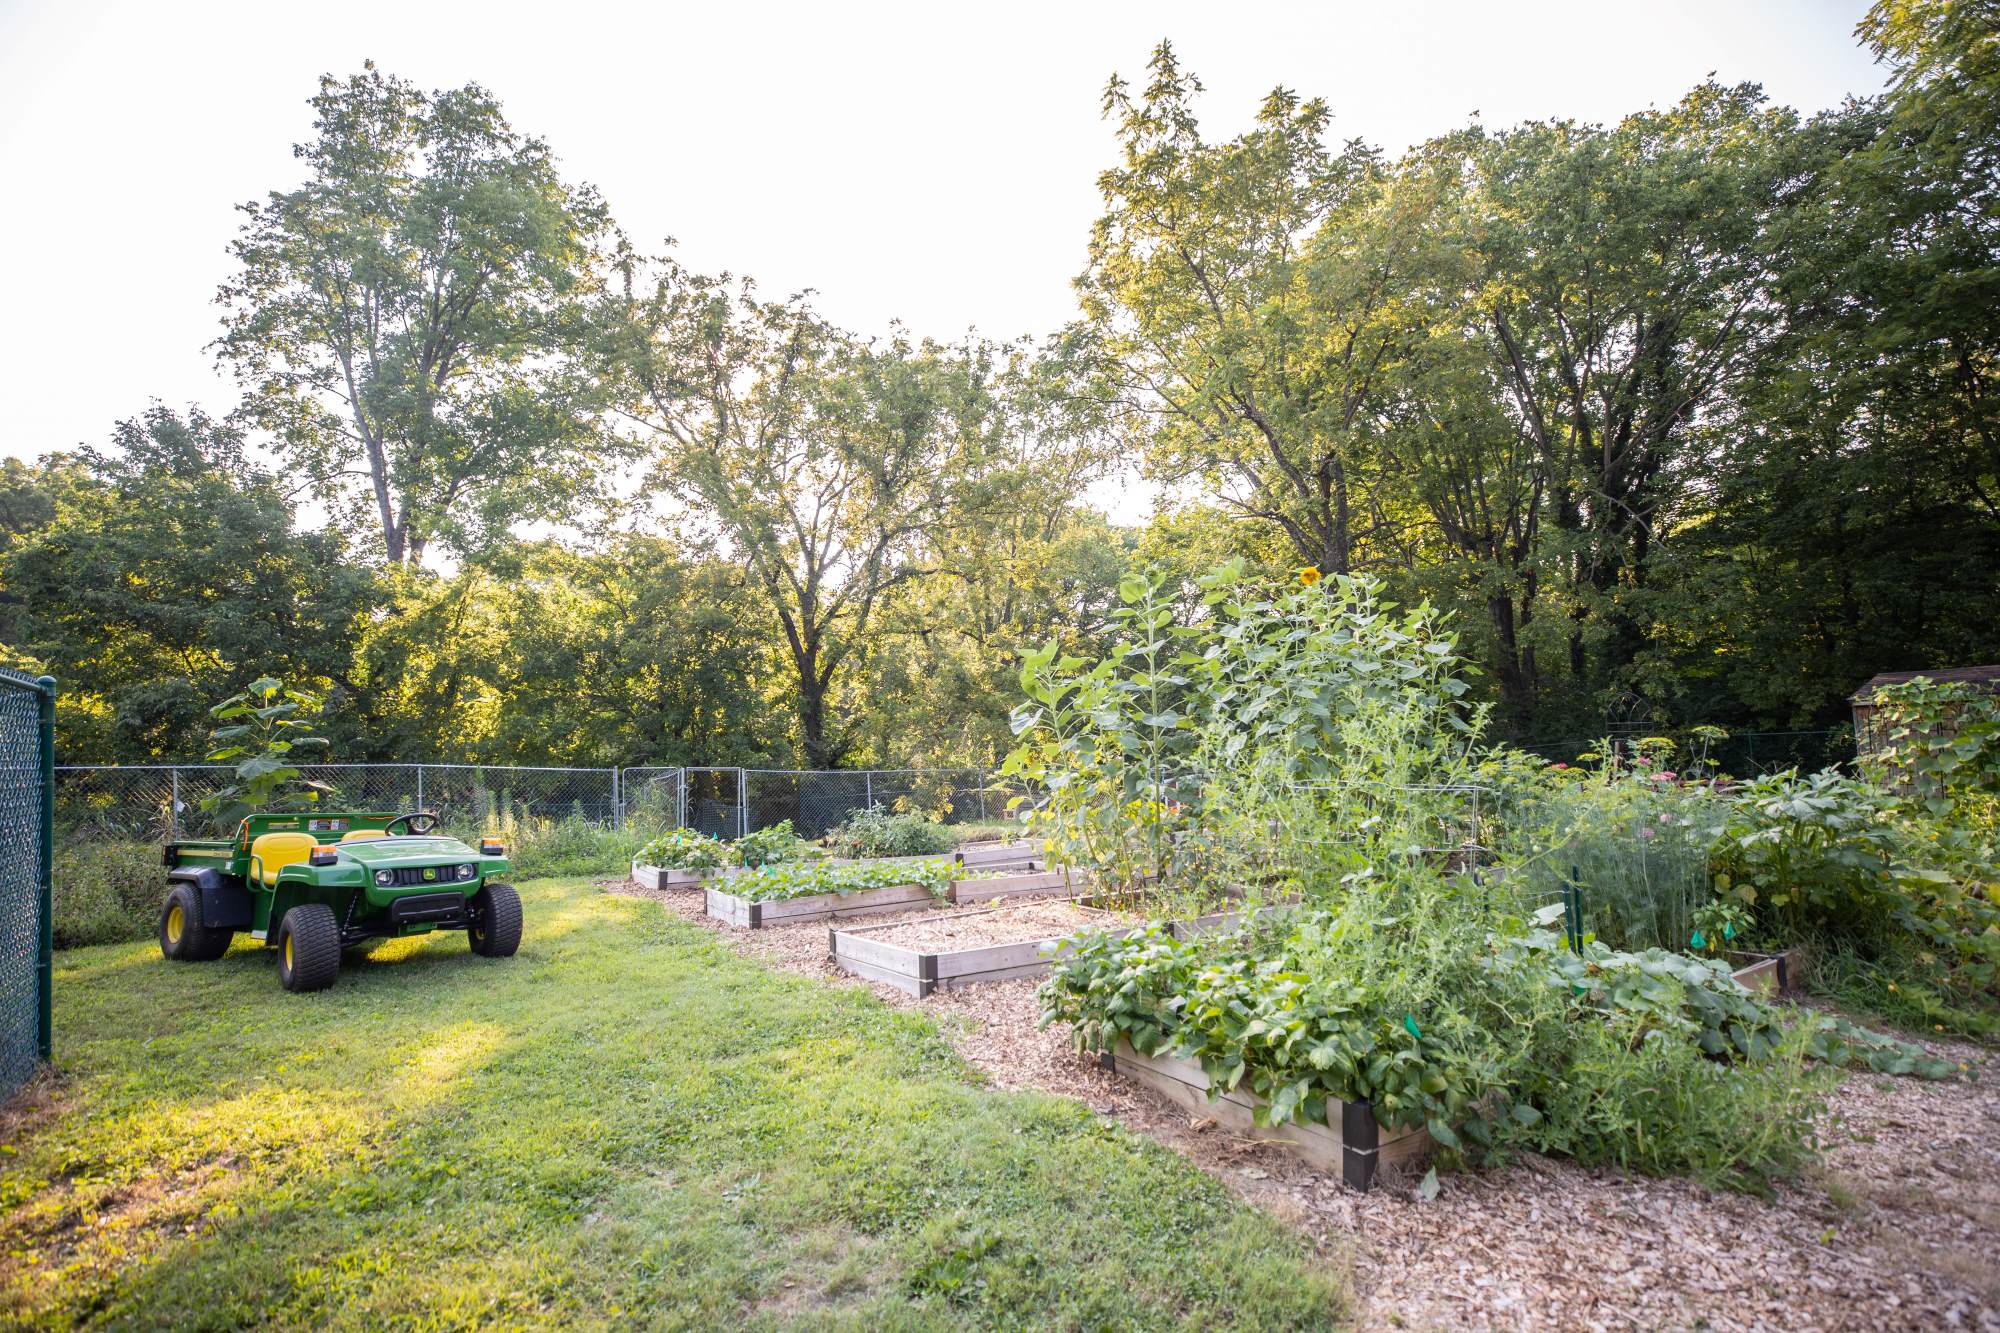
[(311, 885)]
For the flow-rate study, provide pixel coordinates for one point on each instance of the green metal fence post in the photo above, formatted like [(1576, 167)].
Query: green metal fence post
[(45, 954)]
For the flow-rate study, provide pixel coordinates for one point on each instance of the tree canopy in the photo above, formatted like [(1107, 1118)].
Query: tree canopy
[(1692, 417)]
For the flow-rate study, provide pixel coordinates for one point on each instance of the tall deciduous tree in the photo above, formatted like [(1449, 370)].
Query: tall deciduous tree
[(1620, 298), (168, 575), (410, 320), (1259, 358), (828, 465)]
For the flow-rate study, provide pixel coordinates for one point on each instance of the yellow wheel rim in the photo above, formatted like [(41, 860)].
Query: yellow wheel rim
[(288, 953), (174, 924)]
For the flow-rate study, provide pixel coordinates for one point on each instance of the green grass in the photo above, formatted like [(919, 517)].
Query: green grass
[(626, 1125)]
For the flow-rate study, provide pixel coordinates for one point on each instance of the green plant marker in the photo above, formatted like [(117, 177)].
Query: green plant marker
[(1410, 1025), (1698, 941), (1728, 931)]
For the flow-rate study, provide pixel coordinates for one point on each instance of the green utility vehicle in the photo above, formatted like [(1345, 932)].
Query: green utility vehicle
[(314, 884)]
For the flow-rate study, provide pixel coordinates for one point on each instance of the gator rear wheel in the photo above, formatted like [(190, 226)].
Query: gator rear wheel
[(182, 936), (308, 948), (496, 921)]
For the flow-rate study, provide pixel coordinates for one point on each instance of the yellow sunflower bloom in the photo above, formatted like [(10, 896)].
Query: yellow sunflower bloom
[(1309, 576)]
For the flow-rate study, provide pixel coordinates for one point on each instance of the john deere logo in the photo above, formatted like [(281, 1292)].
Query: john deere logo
[(430, 873)]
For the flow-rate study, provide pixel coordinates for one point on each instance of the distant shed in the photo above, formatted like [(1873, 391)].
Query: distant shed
[(1986, 678)]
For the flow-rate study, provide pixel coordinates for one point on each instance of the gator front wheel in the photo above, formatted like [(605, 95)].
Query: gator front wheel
[(183, 938), (308, 948), (496, 921)]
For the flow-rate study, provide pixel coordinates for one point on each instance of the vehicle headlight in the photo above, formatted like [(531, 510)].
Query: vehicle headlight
[(466, 872), (385, 877)]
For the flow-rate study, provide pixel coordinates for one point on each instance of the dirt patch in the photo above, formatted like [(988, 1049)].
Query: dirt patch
[(1899, 1230), (40, 1101), (941, 932)]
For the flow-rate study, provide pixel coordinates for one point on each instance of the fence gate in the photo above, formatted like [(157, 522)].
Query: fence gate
[(27, 847)]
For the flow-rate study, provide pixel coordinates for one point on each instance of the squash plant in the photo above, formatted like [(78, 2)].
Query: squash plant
[(683, 849), (770, 846), (1797, 847), (1269, 1018), (806, 879)]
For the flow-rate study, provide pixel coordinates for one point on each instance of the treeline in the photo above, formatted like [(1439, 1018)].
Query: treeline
[(1698, 410)]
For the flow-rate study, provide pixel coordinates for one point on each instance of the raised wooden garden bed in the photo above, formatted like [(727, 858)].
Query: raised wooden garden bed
[(1034, 884), (1023, 852), (960, 948), (1356, 1148), (883, 860), (732, 910), (659, 877), (1208, 923), (1768, 974)]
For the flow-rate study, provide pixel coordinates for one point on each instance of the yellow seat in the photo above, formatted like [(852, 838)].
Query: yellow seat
[(272, 852), (362, 834)]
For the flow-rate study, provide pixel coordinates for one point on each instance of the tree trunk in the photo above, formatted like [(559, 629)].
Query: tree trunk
[(815, 681), (1513, 671)]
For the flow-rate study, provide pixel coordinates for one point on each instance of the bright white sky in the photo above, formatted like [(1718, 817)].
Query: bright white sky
[(933, 162)]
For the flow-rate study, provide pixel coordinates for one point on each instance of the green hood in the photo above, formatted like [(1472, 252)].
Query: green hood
[(429, 850)]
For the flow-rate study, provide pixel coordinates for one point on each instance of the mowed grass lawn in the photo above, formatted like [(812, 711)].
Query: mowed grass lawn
[(626, 1125)]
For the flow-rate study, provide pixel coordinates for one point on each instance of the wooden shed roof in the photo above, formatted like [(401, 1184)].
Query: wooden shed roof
[(1985, 677)]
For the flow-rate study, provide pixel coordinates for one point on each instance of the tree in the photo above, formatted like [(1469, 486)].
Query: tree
[(1620, 298), (635, 653), (414, 317), (1854, 524), (832, 468), (1258, 357), (171, 575)]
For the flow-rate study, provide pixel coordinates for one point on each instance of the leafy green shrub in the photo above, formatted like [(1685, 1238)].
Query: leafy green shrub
[(1831, 857), (1471, 1044), (538, 848), (1804, 847), (773, 883), (1943, 746), (1635, 1097), (1282, 684), (267, 721), (683, 849), (878, 832), (770, 846), (106, 892)]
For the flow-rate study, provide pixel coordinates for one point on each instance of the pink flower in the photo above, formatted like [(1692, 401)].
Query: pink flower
[(1559, 765)]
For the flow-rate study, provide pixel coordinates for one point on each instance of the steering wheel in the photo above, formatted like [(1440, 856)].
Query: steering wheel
[(416, 823)]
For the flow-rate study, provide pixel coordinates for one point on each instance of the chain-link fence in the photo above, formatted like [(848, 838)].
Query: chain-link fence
[(158, 802), (652, 799), (27, 743), (1743, 754), (729, 802)]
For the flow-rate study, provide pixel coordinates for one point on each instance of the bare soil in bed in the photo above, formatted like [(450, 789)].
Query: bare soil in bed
[(1900, 1229), (1023, 923)]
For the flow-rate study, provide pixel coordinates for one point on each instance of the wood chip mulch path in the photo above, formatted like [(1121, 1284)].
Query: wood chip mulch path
[(1900, 1229)]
